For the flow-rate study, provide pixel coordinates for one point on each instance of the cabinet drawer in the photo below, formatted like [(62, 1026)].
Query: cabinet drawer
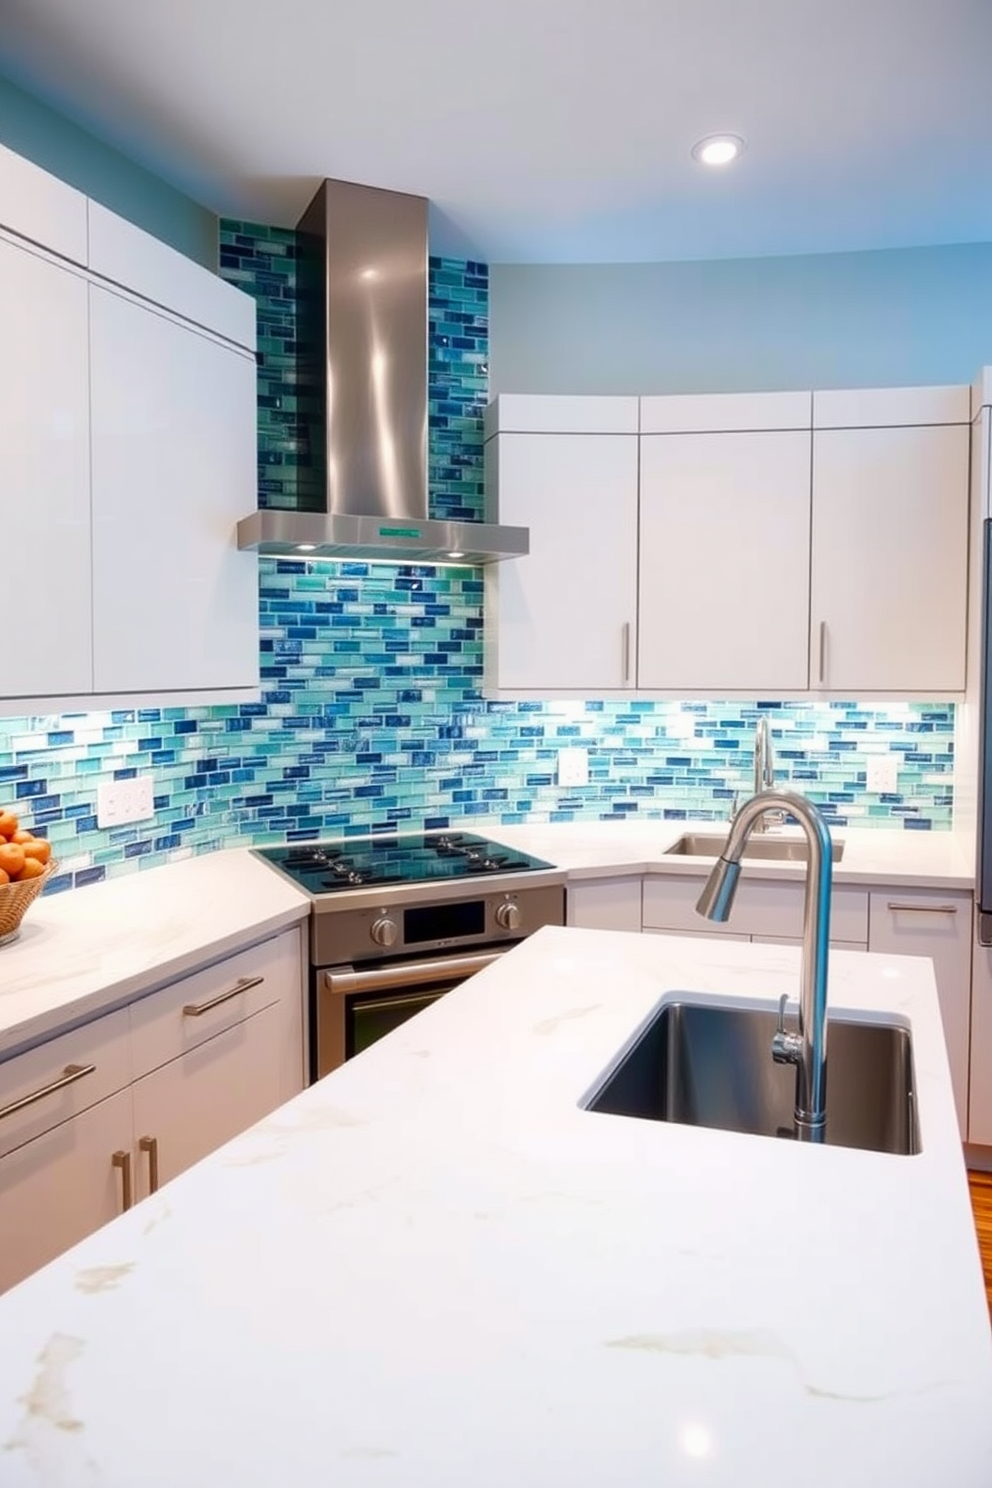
[(760, 908), (178, 1018), (61, 1078)]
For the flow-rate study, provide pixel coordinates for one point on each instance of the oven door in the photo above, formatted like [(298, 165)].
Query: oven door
[(355, 1006)]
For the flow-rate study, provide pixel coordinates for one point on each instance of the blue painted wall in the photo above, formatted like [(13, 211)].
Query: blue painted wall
[(371, 716), (909, 316), (58, 145)]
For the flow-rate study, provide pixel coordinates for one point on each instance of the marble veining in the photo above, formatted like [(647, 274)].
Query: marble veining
[(450, 1274)]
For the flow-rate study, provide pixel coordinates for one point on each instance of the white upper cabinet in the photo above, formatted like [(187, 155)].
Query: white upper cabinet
[(123, 254), (44, 476), (778, 543), (40, 207), (128, 453), (726, 479), (890, 541), (173, 459), (563, 618)]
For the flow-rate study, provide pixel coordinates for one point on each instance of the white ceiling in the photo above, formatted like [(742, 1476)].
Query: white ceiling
[(547, 130)]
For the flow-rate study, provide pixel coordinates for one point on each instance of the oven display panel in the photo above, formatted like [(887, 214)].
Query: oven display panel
[(444, 921)]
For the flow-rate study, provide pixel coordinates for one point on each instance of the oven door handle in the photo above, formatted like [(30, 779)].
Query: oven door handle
[(407, 974)]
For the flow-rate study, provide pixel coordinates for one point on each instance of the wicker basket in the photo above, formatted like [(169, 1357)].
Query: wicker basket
[(15, 899)]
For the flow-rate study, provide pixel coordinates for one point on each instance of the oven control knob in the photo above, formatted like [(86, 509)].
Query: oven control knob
[(508, 915), (384, 932)]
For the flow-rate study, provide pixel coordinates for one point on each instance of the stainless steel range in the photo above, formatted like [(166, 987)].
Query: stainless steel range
[(398, 921)]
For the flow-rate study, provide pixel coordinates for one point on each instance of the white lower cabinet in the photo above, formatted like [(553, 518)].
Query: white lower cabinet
[(763, 910), (194, 1104), (60, 1187), (604, 904), (917, 922), (95, 1119)]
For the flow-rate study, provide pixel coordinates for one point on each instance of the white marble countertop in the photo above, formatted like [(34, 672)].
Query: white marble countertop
[(433, 1269), (608, 848), (84, 951), (88, 950)]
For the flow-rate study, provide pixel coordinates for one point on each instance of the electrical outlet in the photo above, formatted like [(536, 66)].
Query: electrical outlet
[(573, 767), (882, 775), (121, 801)]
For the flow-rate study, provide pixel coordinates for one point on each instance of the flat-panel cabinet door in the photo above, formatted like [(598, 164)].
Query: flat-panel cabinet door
[(44, 478), (724, 561), (912, 922), (193, 1104), (63, 1185), (890, 559), (563, 618), (174, 467)]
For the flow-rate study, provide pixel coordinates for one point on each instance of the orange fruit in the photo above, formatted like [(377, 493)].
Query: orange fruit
[(38, 848), (4, 878), (11, 858), (31, 869), (22, 836), (8, 824)]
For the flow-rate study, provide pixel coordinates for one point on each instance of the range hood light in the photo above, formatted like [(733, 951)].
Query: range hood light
[(362, 360)]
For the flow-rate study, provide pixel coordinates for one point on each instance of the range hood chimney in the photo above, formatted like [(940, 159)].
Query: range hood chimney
[(362, 336)]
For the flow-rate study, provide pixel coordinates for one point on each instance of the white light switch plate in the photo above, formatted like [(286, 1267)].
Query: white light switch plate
[(121, 801), (573, 767), (882, 775)]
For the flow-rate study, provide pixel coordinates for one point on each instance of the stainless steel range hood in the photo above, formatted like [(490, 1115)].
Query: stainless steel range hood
[(362, 389)]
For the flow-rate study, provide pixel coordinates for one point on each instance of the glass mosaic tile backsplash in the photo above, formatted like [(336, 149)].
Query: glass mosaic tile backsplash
[(371, 716)]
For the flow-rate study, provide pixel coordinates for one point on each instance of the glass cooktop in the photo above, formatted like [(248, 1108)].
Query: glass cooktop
[(357, 862)]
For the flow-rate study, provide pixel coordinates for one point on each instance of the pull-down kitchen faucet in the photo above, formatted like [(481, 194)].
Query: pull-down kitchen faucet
[(807, 1049), (764, 771)]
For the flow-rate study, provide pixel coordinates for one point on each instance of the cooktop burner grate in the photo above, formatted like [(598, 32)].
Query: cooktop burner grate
[(430, 857)]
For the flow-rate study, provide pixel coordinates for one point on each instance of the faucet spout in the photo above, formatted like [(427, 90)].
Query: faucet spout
[(807, 1049)]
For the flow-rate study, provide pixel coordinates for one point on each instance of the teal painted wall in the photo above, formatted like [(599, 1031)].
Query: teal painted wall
[(51, 140), (881, 319)]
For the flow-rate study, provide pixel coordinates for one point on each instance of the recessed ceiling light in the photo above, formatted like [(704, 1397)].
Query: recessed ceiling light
[(718, 149)]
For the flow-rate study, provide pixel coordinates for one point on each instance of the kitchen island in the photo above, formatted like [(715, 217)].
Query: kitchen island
[(435, 1268)]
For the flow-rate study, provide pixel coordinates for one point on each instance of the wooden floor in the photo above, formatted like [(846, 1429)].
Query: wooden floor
[(981, 1202)]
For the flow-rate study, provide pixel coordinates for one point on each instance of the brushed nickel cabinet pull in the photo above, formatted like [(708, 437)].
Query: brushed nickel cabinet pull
[(122, 1160), (150, 1145), (626, 650), (197, 1009), (69, 1076), (823, 649), (926, 908)]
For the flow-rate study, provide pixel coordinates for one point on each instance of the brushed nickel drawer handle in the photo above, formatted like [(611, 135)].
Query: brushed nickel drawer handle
[(626, 650), (243, 984), (69, 1076), (150, 1145), (823, 649), (926, 908), (122, 1160)]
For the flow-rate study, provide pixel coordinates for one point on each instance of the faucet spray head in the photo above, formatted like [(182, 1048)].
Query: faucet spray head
[(717, 898)]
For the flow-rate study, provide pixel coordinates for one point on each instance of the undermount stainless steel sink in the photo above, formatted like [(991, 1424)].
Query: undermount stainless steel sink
[(707, 1065), (777, 849)]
